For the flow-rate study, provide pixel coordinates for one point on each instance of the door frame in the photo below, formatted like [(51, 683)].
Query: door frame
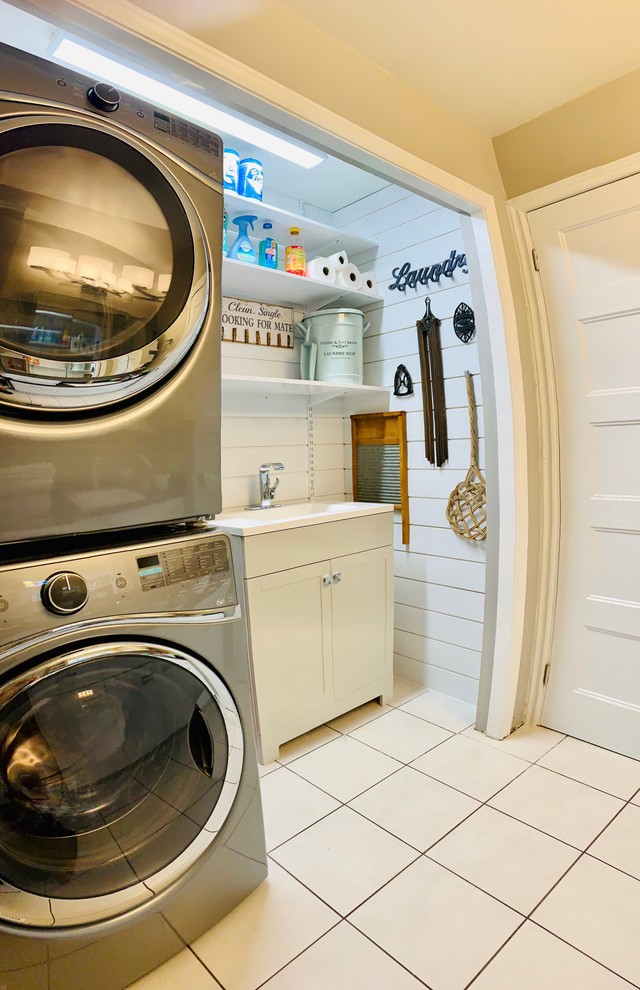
[(547, 411), (250, 91)]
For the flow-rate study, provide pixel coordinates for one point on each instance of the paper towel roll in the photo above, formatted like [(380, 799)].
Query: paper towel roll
[(350, 277), (322, 270), (338, 260), (369, 283)]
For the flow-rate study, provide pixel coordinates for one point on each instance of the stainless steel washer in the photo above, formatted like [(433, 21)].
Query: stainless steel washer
[(110, 259), (130, 815)]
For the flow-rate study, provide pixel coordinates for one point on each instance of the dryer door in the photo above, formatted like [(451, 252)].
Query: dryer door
[(104, 269), (119, 765)]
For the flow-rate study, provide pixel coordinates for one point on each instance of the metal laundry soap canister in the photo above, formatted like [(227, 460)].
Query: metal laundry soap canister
[(337, 334)]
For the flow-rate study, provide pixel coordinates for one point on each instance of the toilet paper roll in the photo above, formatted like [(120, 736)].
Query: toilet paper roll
[(350, 277), (322, 270), (338, 260), (369, 283)]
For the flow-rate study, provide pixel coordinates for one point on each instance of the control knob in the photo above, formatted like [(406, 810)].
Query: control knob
[(64, 593), (104, 97)]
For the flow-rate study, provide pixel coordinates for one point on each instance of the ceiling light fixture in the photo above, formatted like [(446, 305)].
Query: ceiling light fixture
[(86, 60)]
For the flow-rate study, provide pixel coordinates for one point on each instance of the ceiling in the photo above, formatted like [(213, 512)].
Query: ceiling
[(495, 63)]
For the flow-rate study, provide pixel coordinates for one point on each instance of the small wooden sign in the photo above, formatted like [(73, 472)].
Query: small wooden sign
[(245, 321)]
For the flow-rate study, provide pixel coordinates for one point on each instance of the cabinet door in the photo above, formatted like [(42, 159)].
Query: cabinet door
[(290, 628), (362, 606)]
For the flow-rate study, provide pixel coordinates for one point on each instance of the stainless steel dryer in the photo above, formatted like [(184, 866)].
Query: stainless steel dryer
[(130, 814), (110, 256)]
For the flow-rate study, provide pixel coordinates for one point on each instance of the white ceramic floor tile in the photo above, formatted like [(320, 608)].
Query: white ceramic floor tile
[(596, 909), (450, 713), (183, 970), (306, 743), (610, 772), (437, 925), (515, 863), (345, 767), (536, 960), (528, 743), (344, 858), (636, 798), (290, 804), (276, 922), (343, 959), (564, 808), (619, 844), (358, 716), (400, 735), (404, 691), (416, 808), (264, 770), (471, 767)]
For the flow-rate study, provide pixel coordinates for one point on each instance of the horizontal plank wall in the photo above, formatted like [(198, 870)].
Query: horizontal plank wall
[(310, 447), (439, 596)]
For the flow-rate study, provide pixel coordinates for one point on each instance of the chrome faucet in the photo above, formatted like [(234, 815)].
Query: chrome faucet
[(267, 490)]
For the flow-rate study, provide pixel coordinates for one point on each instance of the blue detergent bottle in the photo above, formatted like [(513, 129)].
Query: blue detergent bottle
[(268, 247), (241, 249)]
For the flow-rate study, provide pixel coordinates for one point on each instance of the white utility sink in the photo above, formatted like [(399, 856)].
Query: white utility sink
[(245, 522)]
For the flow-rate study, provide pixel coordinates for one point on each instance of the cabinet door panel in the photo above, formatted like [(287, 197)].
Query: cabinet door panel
[(290, 623), (362, 619)]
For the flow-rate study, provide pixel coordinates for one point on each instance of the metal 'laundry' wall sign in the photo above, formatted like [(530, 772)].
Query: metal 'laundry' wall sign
[(405, 275)]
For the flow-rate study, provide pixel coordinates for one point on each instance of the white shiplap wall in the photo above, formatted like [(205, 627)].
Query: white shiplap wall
[(251, 440), (439, 576)]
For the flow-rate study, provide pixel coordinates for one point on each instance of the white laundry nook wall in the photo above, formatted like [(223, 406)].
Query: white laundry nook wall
[(439, 577)]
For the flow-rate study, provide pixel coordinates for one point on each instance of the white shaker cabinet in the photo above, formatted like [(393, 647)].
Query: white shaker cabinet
[(320, 623)]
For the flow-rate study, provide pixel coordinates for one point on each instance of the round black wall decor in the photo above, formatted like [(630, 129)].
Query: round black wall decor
[(464, 323)]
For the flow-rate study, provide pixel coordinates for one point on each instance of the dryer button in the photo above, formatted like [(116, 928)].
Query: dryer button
[(104, 97), (64, 593)]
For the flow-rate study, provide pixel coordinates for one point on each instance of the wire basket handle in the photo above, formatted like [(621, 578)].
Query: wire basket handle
[(473, 419)]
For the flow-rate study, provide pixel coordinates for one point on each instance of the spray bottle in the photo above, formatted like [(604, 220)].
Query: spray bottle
[(241, 248)]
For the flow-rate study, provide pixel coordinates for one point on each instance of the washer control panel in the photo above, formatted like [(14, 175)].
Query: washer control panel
[(184, 575)]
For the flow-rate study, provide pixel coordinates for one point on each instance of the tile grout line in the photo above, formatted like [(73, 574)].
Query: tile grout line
[(301, 953)]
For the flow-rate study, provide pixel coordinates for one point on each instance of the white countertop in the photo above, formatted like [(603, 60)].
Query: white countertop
[(252, 522)]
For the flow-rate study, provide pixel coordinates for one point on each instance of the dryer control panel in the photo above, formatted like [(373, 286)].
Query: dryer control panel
[(26, 75), (186, 575)]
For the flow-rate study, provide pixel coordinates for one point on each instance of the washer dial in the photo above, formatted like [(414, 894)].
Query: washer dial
[(64, 593)]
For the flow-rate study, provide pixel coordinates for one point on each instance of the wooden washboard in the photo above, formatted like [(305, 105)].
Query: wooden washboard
[(379, 461)]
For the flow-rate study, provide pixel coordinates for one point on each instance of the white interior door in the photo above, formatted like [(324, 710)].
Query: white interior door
[(589, 253)]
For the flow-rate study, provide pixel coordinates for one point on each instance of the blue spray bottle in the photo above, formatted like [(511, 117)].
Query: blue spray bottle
[(241, 248)]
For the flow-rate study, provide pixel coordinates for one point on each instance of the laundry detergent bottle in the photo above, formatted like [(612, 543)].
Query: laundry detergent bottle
[(241, 249), (268, 248)]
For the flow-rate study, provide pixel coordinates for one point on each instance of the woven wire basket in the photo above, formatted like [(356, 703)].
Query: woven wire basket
[(467, 506)]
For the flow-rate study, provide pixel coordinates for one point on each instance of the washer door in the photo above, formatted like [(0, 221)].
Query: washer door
[(119, 764), (104, 274)]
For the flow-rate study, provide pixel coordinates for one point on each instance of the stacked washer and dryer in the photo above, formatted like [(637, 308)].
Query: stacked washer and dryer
[(130, 815)]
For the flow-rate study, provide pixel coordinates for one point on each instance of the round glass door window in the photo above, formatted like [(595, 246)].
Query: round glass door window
[(99, 259), (116, 763)]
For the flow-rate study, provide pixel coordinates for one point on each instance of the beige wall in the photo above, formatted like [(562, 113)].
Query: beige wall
[(595, 129)]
